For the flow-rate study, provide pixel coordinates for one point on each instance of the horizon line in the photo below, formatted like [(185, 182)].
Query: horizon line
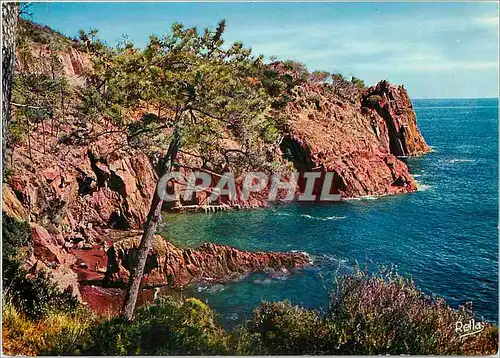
[(497, 97)]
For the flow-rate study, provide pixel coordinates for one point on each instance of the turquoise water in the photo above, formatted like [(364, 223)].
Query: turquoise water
[(444, 236)]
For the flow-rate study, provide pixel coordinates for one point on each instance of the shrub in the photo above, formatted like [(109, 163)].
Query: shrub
[(35, 295), (57, 334), (373, 100), (358, 82), (379, 314), (15, 234), (347, 90), (270, 133), (387, 314), (287, 329), (167, 327), (41, 33), (243, 342), (17, 131), (319, 76), (370, 315), (92, 103)]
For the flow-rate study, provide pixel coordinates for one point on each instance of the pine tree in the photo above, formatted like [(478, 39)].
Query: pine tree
[(200, 89)]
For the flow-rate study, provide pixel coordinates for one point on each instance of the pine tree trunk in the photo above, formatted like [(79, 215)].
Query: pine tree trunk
[(29, 138), (153, 219), (9, 25)]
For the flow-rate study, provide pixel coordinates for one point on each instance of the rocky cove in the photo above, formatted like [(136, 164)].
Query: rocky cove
[(86, 195)]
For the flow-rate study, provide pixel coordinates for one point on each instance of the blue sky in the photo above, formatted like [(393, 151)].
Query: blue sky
[(437, 50)]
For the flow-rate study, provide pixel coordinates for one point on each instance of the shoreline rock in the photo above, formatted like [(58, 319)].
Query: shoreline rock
[(168, 265)]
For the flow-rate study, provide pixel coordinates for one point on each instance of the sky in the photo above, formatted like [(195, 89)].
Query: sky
[(437, 50)]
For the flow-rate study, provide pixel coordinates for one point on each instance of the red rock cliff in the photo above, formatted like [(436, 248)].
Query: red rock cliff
[(73, 190), (359, 142)]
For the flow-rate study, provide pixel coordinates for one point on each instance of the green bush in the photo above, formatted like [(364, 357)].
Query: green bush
[(41, 33), (92, 104), (15, 234), (373, 100), (32, 295), (387, 314), (287, 329), (358, 82), (59, 333), (167, 327), (37, 296), (370, 315)]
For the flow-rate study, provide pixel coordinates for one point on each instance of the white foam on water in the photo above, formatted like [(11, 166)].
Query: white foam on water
[(265, 281), (331, 261), (282, 277), (233, 316), (302, 252), (216, 288), (469, 146), (282, 214), (305, 254), (322, 218), (351, 199), (210, 287), (461, 160), (365, 197), (423, 187), (307, 216)]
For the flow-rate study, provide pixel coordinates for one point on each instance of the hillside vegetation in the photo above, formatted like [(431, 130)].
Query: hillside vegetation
[(381, 314)]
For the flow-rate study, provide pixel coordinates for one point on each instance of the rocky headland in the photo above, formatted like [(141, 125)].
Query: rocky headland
[(86, 194)]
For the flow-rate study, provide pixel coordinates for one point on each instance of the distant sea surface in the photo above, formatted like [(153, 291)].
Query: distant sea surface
[(445, 235)]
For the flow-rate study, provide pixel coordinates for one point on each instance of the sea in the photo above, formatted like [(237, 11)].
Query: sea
[(444, 236)]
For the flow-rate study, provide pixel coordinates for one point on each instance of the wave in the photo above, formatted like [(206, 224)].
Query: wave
[(272, 277), (311, 260), (233, 316), (468, 146), (302, 252), (201, 288), (307, 216), (322, 218), (364, 197), (422, 186), (333, 263), (331, 258), (211, 288), (461, 160), (278, 213), (265, 281)]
